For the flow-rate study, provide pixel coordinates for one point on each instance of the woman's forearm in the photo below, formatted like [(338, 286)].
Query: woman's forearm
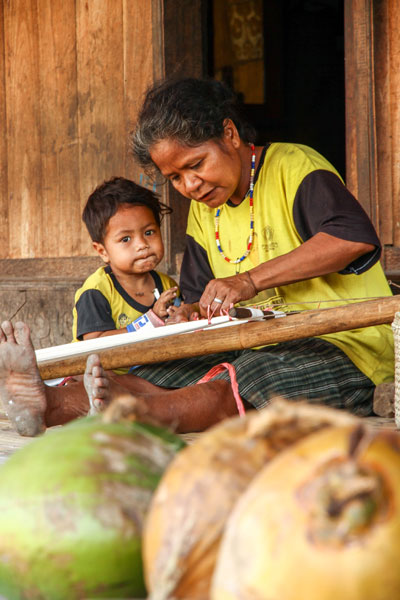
[(320, 255)]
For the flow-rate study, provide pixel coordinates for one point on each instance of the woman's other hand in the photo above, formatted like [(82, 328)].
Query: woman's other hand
[(220, 294), (182, 314)]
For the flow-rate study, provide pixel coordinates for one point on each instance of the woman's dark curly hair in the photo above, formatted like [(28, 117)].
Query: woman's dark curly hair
[(191, 111), (105, 200)]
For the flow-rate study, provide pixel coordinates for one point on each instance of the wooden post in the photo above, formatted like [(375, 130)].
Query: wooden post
[(372, 50)]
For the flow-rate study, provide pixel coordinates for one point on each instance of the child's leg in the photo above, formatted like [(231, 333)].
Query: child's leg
[(34, 405), (192, 408)]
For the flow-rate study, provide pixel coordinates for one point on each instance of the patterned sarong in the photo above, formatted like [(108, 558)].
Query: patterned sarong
[(311, 369)]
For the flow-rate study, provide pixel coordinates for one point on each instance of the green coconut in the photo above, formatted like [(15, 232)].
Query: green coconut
[(72, 506)]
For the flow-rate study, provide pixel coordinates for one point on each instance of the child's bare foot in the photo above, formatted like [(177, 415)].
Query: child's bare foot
[(21, 388), (101, 390), (97, 385)]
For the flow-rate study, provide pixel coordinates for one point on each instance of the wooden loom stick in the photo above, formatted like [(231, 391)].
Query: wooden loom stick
[(248, 335)]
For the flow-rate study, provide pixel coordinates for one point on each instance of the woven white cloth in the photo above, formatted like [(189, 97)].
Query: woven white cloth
[(396, 334)]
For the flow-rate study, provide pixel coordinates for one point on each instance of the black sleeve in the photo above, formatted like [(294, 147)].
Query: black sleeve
[(195, 271), (324, 204), (94, 313)]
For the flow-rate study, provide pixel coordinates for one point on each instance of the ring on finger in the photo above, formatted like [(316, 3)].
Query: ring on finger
[(218, 301)]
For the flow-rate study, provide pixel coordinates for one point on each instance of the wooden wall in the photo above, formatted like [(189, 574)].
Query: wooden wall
[(72, 74)]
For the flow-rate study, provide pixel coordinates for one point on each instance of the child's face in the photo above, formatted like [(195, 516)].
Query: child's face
[(132, 243)]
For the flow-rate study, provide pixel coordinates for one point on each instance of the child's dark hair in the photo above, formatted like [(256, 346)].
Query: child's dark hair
[(191, 111), (103, 203)]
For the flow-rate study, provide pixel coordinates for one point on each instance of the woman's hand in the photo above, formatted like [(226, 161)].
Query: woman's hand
[(220, 294), (182, 314)]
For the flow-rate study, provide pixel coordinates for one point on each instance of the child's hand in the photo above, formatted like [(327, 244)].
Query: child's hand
[(164, 301)]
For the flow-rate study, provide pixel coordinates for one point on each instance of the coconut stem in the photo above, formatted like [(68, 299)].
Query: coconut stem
[(344, 500)]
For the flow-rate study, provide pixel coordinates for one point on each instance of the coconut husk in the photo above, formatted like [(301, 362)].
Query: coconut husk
[(72, 507), (321, 521), (197, 492)]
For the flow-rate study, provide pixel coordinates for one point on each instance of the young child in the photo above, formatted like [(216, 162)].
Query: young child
[(123, 220)]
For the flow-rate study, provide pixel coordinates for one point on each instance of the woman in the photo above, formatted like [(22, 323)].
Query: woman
[(273, 222)]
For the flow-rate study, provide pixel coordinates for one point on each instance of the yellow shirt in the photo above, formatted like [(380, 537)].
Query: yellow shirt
[(102, 304), (275, 233)]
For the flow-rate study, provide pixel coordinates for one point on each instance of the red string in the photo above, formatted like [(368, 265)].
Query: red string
[(235, 388), (65, 381), (223, 311)]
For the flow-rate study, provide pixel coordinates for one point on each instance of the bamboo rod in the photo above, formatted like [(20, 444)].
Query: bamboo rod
[(252, 334)]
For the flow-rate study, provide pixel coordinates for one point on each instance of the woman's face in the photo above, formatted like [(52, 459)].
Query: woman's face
[(210, 173)]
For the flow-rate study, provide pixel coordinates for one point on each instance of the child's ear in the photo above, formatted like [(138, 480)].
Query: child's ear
[(101, 251)]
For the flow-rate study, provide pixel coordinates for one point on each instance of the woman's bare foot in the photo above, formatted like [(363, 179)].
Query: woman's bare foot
[(97, 385), (22, 390)]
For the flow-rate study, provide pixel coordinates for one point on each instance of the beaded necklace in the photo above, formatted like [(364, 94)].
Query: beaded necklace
[(218, 212)]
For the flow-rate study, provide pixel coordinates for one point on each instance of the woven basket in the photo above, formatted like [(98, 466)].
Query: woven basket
[(396, 334)]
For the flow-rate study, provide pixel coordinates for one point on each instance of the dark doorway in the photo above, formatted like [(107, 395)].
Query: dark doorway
[(286, 61)]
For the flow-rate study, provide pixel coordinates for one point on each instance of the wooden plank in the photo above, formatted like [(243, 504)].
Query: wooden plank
[(138, 68), (100, 63), (392, 261), (380, 423), (373, 112), (383, 123), (182, 25), (4, 231), (249, 335), (394, 25), (47, 311), (143, 63), (360, 132), (23, 128), (11, 442), (59, 204), (36, 270)]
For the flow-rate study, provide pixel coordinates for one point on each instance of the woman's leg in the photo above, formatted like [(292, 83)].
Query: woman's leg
[(311, 369)]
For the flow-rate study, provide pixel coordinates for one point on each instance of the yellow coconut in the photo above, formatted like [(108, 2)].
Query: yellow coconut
[(320, 522), (196, 494)]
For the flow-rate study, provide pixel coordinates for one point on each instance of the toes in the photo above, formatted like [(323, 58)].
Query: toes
[(100, 388), (97, 372), (22, 334), (92, 362), (98, 404), (8, 332)]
